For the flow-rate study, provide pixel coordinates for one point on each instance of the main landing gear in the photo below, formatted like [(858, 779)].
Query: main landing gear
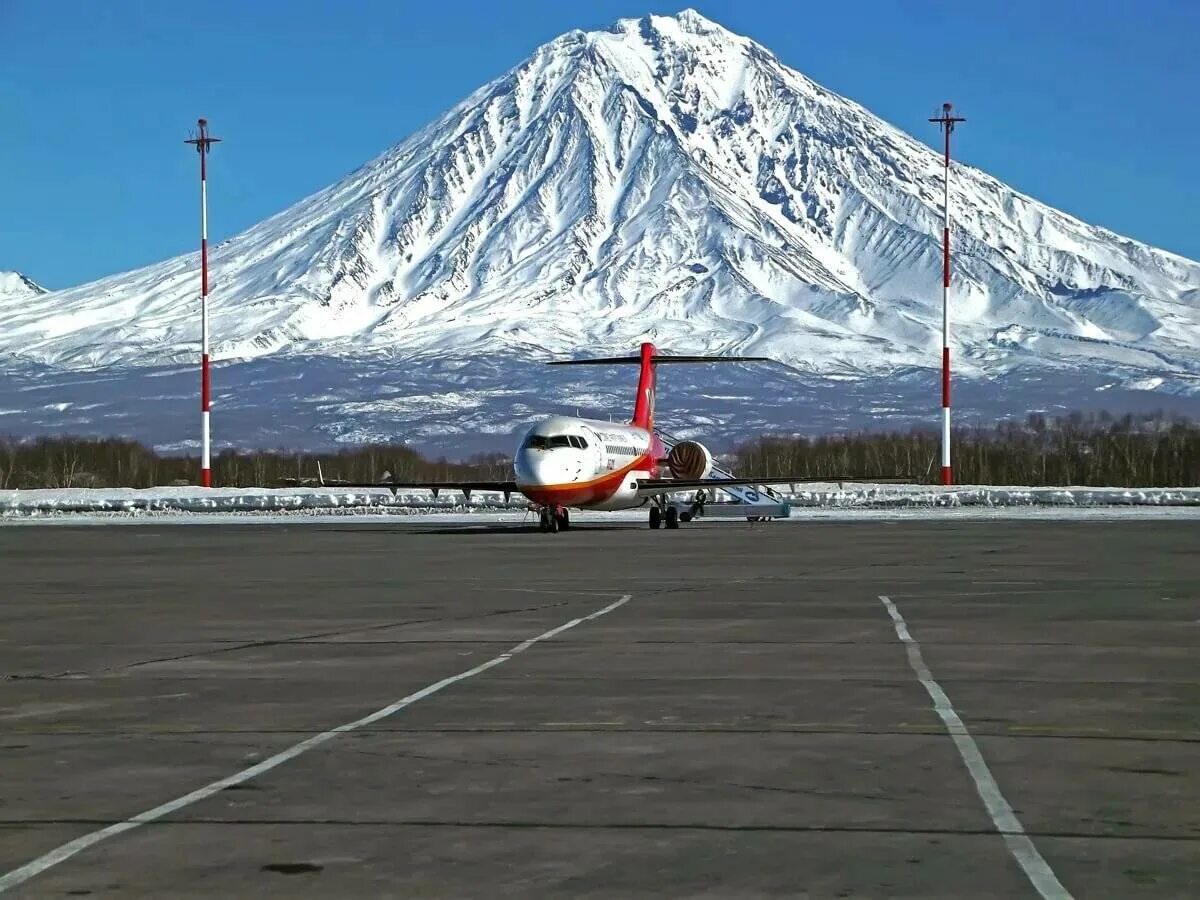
[(665, 513), (554, 519)]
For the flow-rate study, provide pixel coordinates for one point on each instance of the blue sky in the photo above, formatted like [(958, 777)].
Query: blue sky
[(1089, 106)]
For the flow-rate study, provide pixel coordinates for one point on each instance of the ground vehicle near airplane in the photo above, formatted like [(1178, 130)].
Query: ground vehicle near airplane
[(565, 463)]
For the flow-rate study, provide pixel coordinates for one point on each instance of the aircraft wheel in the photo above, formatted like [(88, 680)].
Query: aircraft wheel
[(545, 520), (564, 520), (672, 517), (655, 517), (685, 517)]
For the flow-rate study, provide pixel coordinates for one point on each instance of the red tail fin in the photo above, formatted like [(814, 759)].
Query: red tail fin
[(643, 407), (648, 360)]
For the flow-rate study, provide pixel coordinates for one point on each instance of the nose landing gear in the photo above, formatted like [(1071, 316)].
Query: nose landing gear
[(554, 519)]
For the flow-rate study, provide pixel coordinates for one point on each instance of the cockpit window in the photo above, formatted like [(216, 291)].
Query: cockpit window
[(549, 442)]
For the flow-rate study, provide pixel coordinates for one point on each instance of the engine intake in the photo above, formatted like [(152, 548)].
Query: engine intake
[(689, 459)]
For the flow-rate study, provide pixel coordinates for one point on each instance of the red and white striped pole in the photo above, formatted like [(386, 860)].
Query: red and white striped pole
[(946, 121), (203, 144)]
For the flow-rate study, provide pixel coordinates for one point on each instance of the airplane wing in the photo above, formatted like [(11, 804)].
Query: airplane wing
[(651, 486), (505, 487)]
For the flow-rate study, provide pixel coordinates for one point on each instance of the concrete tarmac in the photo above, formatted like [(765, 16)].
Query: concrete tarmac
[(747, 724)]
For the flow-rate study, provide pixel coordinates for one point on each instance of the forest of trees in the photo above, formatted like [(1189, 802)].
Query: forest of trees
[(116, 462), (1097, 449)]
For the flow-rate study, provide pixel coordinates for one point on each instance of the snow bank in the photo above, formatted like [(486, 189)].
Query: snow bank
[(300, 501), (894, 496), (227, 500)]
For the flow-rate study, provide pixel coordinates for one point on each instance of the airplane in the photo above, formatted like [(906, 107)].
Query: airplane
[(564, 463)]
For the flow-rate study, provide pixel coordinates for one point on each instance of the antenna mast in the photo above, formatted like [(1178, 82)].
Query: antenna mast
[(946, 122), (203, 144)]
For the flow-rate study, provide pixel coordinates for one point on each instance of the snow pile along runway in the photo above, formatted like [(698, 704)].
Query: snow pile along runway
[(326, 500)]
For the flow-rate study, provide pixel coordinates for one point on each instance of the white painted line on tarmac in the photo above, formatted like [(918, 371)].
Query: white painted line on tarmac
[(1035, 867), (66, 851)]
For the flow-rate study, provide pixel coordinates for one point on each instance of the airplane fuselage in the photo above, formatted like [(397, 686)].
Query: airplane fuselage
[(585, 463)]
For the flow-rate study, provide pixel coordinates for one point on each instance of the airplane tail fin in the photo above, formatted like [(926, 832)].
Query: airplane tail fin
[(648, 359), (643, 405)]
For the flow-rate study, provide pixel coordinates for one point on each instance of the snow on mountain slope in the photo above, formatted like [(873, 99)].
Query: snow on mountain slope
[(663, 179), (15, 287)]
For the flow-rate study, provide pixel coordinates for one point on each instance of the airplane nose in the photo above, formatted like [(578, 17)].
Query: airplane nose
[(540, 467), (533, 466)]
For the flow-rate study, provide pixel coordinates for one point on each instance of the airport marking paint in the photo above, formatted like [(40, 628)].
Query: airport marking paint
[(1035, 867), (60, 854)]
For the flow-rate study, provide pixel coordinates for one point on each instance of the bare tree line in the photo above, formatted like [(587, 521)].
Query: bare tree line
[(1096, 449), (64, 462)]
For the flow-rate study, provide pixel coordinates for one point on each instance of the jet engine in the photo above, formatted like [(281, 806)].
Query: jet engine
[(689, 459)]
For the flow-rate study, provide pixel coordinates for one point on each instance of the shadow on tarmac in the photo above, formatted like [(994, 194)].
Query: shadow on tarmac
[(468, 528)]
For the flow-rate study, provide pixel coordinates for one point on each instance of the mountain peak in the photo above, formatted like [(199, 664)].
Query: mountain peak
[(694, 21), (685, 23), (14, 284), (667, 180)]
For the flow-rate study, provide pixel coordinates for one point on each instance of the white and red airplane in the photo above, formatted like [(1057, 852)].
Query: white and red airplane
[(565, 463)]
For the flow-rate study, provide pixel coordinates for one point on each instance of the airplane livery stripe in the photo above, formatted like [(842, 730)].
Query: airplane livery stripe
[(607, 479)]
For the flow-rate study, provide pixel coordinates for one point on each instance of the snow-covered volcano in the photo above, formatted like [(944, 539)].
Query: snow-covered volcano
[(663, 179)]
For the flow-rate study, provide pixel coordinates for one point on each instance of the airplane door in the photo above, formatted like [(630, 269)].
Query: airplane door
[(595, 454)]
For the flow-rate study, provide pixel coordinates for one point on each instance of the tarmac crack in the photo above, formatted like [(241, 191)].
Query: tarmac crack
[(794, 828), (1021, 732)]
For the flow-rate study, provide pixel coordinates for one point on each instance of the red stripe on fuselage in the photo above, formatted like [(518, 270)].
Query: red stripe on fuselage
[(581, 493)]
